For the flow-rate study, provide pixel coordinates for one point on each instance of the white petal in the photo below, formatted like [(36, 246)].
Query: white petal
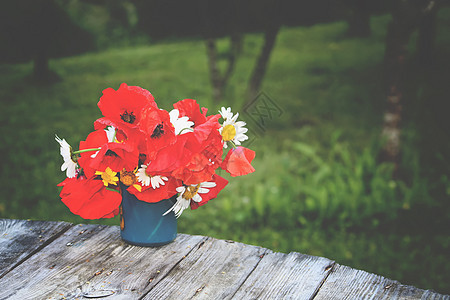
[(179, 206), (181, 124), (156, 182), (235, 117), (72, 170), (208, 184), (180, 189), (240, 124), (142, 176), (242, 130), (197, 198), (174, 113), (202, 191), (226, 113), (110, 133)]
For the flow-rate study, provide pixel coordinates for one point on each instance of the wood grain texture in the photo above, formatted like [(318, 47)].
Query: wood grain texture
[(285, 276), (129, 272), (347, 283), (91, 261), (214, 270), (19, 239), (57, 260), (61, 266)]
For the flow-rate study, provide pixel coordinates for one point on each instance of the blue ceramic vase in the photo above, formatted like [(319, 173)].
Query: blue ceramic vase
[(143, 223)]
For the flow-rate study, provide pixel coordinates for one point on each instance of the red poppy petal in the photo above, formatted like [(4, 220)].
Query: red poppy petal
[(89, 198), (220, 184), (238, 161), (190, 108)]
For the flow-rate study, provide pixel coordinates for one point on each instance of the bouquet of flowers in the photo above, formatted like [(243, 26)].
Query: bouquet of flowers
[(152, 153)]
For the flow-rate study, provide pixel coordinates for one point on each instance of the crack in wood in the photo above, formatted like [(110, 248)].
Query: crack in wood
[(250, 273), (200, 245), (197, 291), (197, 246), (329, 269)]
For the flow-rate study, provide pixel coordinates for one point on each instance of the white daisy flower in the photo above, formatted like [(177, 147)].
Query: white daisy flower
[(145, 179), (188, 193), (181, 124), (69, 165), (231, 130), (226, 113)]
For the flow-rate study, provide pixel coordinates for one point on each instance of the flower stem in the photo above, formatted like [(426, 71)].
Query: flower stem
[(233, 144), (86, 150), (112, 190), (114, 137), (187, 128)]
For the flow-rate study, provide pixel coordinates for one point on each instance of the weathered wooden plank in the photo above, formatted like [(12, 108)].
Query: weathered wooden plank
[(347, 283), (130, 272), (214, 270), (285, 276), (90, 261), (19, 239), (65, 261), (51, 270)]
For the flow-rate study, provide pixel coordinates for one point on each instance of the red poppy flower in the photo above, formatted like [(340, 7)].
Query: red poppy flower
[(116, 156), (124, 106), (191, 109), (211, 126), (171, 157), (89, 198), (198, 169), (158, 130), (209, 138), (238, 161), (220, 184), (205, 145)]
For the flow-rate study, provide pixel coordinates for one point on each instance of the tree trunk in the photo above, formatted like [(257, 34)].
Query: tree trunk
[(261, 65), (395, 54), (218, 81), (214, 73), (405, 18)]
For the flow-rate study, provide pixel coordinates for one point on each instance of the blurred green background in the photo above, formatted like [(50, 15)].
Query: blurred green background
[(319, 186)]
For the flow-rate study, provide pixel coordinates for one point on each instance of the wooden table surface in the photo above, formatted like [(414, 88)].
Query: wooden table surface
[(58, 260)]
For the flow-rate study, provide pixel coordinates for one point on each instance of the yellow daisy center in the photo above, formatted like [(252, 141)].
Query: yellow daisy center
[(108, 177), (228, 133), (190, 192), (127, 178)]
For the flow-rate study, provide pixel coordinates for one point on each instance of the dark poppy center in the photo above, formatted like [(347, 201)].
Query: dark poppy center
[(158, 131), (111, 153), (128, 117)]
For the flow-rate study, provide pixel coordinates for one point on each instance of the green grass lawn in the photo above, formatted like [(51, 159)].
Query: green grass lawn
[(318, 188)]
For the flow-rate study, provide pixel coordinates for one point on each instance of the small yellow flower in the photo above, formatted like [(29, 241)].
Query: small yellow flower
[(108, 177)]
